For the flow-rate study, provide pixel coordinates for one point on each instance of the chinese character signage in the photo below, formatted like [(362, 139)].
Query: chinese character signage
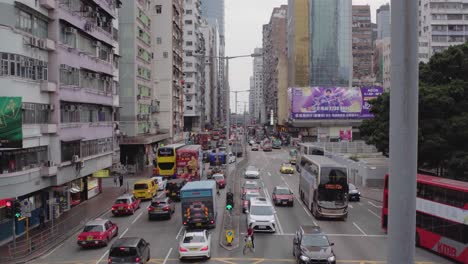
[(11, 132), (332, 102)]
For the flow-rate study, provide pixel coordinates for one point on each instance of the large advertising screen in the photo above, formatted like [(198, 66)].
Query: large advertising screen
[(11, 121), (332, 102)]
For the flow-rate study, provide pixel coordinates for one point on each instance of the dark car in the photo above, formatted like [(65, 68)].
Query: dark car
[(161, 207), (311, 245), (173, 188), (282, 196), (129, 250), (353, 193)]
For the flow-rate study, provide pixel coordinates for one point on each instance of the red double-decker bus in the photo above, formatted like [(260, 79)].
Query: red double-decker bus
[(204, 140), (190, 162), (441, 215)]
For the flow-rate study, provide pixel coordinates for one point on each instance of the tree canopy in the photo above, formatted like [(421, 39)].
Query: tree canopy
[(443, 115)]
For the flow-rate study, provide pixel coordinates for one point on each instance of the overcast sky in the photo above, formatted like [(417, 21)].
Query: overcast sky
[(244, 20)]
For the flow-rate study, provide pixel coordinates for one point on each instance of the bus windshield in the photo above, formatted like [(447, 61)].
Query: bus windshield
[(333, 187), (165, 152)]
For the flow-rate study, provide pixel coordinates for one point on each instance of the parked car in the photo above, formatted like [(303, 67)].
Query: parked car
[(161, 207), (195, 244), (353, 194), (161, 182), (97, 232), (220, 181), (282, 196), (287, 168), (129, 250), (254, 147), (311, 245), (125, 204), (251, 172)]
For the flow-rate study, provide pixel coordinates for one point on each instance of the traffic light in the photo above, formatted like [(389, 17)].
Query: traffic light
[(17, 209), (9, 209), (229, 201)]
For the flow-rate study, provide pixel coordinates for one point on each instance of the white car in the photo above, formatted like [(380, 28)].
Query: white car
[(195, 244), (261, 215), (161, 182), (251, 142), (231, 158), (251, 172)]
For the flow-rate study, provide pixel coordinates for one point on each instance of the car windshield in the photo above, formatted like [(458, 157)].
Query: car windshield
[(351, 187), (218, 177), (250, 185), (158, 204), (121, 201), (121, 252), (140, 186), (250, 195), (194, 238), (93, 228), (286, 165), (315, 241), (261, 210), (282, 191), (251, 168)]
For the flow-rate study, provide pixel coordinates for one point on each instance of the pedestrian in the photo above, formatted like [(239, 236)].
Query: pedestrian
[(121, 180), (115, 180), (41, 217)]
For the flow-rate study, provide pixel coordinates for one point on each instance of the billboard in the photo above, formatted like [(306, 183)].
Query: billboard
[(11, 121), (332, 102)]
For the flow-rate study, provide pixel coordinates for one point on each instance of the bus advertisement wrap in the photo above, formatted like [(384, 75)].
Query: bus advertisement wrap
[(11, 122), (332, 102)]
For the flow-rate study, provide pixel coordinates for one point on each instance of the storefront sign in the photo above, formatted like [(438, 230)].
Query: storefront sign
[(101, 174), (11, 121), (93, 187)]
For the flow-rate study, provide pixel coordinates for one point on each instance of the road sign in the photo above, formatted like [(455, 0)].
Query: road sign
[(229, 236)]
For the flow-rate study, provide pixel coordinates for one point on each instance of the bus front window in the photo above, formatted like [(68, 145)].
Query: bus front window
[(333, 186)]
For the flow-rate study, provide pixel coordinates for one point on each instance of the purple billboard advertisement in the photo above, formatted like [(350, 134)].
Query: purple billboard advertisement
[(332, 102)]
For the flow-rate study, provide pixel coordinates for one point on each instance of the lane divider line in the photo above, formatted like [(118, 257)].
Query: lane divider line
[(269, 174), (178, 233), (372, 212), (52, 251), (123, 233), (103, 256), (350, 206), (373, 204), (167, 256), (364, 233), (136, 218)]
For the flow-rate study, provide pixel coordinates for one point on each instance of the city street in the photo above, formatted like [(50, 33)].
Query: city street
[(358, 240)]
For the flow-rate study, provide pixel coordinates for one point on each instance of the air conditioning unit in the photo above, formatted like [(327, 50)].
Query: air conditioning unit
[(96, 43), (138, 97), (70, 30), (41, 43), (75, 158), (51, 107), (33, 41)]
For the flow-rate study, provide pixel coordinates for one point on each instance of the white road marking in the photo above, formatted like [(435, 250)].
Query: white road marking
[(134, 220), (373, 204), (167, 256), (124, 232), (269, 174), (360, 204), (334, 235), (278, 223), (103, 256), (178, 233), (160, 194), (372, 212), (53, 250), (364, 233), (350, 206)]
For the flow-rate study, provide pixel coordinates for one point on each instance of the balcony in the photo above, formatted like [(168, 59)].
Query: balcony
[(48, 87), (47, 4), (48, 128), (49, 170), (70, 131)]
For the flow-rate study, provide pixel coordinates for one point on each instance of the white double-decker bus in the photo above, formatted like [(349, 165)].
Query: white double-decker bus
[(323, 187)]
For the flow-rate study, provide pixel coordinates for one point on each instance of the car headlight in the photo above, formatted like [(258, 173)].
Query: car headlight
[(359, 193), (304, 258), (272, 220), (331, 259)]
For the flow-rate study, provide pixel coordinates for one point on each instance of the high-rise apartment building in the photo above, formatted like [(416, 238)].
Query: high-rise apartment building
[(59, 102), (298, 35), (331, 62), (442, 24), (213, 11), (194, 68), (256, 88), (274, 45), (210, 63), (386, 63), (166, 27), (138, 99), (362, 44), (383, 21)]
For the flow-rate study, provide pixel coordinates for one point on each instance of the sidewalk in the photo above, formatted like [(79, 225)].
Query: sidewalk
[(43, 239), (375, 194)]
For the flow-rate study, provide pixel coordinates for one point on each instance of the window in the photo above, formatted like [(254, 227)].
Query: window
[(165, 54), (22, 159), (144, 73), (36, 113), (23, 67), (69, 149), (188, 22), (158, 9), (189, 53), (189, 43), (188, 12), (188, 64), (436, 38), (69, 75), (445, 228), (454, 17), (31, 24)]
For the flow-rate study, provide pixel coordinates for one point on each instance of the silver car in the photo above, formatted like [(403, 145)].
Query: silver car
[(251, 173)]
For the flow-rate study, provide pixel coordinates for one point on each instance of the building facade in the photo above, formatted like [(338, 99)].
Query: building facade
[(331, 62), (210, 70), (256, 95), (166, 27), (274, 45), (138, 99), (58, 66), (386, 63), (442, 24), (383, 21), (298, 47), (361, 44), (194, 68)]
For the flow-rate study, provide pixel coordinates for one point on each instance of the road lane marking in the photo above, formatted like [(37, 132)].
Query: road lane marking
[(167, 256), (269, 174), (178, 233), (330, 235), (360, 204), (278, 223), (364, 233), (372, 212), (350, 206), (306, 210), (134, 220), (53, 250), (373, 204), (103, 255), (124, 232)]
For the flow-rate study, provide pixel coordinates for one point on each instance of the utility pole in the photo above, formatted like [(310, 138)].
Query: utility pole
[(228, 103), (403, 131)]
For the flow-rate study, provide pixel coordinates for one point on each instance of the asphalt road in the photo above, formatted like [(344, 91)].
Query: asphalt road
[(358, 240)]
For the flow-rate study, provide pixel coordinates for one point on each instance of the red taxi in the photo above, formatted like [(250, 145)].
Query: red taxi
[(125, 204), (283, 196), (250, 185), (97, 233), (219, 178)]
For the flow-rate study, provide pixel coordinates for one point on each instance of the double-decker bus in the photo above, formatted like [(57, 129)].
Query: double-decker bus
[(441, 215), (166, 160), (307, 149), (190, 162), (203, 139), (323, 187)]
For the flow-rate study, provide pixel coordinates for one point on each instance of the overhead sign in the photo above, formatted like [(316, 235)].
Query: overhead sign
[(11, 121)]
